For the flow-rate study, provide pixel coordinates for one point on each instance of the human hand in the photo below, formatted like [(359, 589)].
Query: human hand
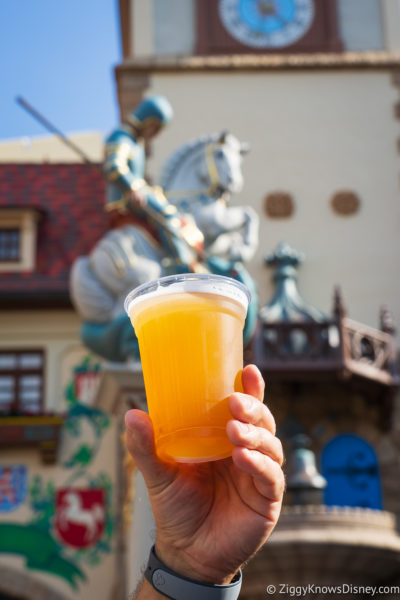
[(212, 517)]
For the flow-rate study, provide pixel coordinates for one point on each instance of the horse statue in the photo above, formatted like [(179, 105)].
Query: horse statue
[(197, 180)]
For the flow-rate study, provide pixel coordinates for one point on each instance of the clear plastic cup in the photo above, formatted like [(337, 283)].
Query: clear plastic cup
[(190, 332)]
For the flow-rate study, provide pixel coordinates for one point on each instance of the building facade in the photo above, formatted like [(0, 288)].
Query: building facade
[(318, 102), (320, 119), (315, 94), (60, 458)]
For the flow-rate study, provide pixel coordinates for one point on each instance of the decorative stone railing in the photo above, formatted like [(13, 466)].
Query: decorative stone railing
[(338, 524), (339, 346), (369, 352), (315, 550)]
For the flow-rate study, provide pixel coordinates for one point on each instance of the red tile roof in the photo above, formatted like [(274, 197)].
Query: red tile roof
[(70, 198)]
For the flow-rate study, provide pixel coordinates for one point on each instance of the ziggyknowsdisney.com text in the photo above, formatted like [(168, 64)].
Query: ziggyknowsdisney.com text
[(345, 588)]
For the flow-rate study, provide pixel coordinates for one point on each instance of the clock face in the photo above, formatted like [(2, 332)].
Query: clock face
[(267, 23)]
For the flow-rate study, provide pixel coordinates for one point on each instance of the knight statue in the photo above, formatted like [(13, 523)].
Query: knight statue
[(155, 232), (127, 190)]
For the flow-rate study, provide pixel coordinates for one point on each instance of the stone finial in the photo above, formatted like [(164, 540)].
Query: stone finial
[(287, 304), (284, 255), (386, 320), (339, 309)]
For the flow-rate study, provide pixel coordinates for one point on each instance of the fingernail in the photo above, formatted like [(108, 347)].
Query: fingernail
[(132, 432), (130, 420)]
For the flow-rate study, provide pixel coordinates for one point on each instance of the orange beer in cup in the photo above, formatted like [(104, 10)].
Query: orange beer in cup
[(190, 332)]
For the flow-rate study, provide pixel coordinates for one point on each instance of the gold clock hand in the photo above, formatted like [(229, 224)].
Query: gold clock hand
[(267, 8), (270, 9)]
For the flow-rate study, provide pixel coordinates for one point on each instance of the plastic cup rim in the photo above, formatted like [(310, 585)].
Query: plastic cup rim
[(140, 293)]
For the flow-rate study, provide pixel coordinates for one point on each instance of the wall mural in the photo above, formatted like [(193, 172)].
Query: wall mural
[(13, 487), (72, 524)]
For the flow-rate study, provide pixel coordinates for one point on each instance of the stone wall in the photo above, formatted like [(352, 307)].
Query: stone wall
[(326, 409)]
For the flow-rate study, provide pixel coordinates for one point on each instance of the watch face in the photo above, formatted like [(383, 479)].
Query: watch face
[(267, 23)]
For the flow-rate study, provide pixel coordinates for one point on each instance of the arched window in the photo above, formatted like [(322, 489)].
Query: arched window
[(350, 467)]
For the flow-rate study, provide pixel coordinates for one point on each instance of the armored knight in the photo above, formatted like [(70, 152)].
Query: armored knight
[(128, 192)]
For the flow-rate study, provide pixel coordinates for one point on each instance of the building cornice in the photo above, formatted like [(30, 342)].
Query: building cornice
[(34, 299), (256, 62)]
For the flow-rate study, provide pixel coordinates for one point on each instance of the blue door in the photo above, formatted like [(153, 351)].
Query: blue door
[(349, 464)]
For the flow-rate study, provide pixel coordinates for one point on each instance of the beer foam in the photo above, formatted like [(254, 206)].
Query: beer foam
[(203, 283)]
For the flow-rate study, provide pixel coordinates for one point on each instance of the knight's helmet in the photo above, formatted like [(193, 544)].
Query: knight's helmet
[(155, 109)]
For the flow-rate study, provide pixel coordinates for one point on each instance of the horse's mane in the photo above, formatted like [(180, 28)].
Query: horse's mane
[(175, 159)]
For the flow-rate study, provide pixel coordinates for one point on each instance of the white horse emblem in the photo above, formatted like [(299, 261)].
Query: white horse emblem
[(73, 513)]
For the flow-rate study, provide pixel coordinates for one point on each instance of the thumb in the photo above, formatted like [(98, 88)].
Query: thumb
[(140, 444), (253, 382)]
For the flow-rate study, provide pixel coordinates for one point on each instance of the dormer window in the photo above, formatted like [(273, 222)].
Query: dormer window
[(10, 244), (18, 233)]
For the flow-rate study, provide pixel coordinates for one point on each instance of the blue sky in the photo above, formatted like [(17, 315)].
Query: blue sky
[(59, 55)]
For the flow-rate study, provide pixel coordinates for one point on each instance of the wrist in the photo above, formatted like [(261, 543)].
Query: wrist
[(172, 584), (184, 565), (148, 592)]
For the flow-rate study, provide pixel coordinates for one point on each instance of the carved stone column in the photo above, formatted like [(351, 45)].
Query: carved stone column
[(121, 388)]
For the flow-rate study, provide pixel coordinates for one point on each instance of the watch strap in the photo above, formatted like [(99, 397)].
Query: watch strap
[(177, 587)]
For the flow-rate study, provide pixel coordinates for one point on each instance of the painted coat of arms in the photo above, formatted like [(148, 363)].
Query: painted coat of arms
[(80, 516), (13, 487)]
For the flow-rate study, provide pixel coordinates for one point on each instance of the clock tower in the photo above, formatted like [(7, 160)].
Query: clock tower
[(265, 26)]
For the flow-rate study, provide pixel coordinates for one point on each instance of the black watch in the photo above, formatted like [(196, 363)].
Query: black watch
[(177, 587)]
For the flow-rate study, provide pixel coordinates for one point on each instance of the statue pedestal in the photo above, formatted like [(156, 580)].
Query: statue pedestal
[(121, 388)]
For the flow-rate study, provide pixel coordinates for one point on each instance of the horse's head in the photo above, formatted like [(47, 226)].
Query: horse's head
[(209, 165), (223, 163), (72, 500)]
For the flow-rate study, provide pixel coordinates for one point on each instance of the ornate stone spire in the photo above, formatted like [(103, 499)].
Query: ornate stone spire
[(287, 304)]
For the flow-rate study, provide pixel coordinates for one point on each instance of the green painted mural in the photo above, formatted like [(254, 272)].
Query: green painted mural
[(71, 525)]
